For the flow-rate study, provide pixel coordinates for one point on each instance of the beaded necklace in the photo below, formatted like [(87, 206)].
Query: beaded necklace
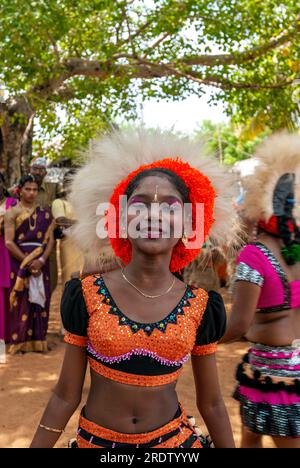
[(148, 328), (32, 212)]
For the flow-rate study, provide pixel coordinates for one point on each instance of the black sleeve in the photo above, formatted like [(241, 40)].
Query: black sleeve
[(212, 326), (73, 309)]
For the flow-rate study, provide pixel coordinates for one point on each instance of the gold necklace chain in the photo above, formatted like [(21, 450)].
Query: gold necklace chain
[(32, 212), (144, 294)]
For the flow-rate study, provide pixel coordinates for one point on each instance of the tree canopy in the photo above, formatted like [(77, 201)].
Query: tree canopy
[(92, 58)]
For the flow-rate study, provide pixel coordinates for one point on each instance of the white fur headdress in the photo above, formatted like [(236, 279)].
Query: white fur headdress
[(110, 160), (277, 155)]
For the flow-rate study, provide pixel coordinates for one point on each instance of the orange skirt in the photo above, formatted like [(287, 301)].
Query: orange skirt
[(178, 433)]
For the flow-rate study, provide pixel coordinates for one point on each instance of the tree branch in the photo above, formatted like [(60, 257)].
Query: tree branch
[(156, 43), (92, 69), (227, 84), (3, 107), (136, 34), (141, 68), (212, 80), (125, 16), (239, 57), (53, 45), (64, 93)]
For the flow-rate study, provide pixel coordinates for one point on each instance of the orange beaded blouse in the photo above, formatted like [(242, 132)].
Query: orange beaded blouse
[(133, 353)]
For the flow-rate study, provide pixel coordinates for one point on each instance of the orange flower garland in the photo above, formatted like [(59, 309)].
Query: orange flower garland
[(200, 191)]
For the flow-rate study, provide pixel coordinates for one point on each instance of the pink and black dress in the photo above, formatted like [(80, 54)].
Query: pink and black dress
[(269, 377)]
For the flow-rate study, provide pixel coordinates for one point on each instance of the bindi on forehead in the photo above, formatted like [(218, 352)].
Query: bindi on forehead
[(154, 187)]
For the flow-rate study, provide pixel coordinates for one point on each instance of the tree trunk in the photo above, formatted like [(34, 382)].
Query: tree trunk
[(26, 148), (16, 127)]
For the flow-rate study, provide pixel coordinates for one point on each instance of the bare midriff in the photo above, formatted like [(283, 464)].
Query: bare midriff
[(130, 409), (276, 328)]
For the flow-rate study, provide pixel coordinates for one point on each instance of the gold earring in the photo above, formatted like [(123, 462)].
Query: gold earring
[(184, 239)]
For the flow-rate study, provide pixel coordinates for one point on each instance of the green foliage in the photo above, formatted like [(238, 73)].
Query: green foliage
[(149, 48), (227, 142)]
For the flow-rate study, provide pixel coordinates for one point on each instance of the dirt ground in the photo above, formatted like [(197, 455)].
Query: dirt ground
[(26, 382)]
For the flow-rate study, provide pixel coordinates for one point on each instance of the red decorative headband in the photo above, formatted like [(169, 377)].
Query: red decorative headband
[(271, 226), (200, 191)]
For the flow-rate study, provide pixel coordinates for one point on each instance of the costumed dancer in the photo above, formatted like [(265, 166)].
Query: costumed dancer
[(137, 325), (266, 306)]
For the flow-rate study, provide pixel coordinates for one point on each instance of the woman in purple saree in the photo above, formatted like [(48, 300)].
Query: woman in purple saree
[(5, 203), (29, 239)]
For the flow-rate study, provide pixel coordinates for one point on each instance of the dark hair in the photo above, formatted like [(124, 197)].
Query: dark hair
[(27, 178), (69, 174), (6, 194), (175, 180)]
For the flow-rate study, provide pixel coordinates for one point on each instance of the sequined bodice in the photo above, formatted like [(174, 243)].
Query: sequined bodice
[(258, 265), (119, 343)]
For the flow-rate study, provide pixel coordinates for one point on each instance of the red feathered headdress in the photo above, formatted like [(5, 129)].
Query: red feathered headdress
[(200, 191)]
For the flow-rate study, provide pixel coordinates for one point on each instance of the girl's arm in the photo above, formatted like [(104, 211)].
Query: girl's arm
[(59, 213), (210, 402), (65, 399), (244, 305), (249, 279), (64, 222)]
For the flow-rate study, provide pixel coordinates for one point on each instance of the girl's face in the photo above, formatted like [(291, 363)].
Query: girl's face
[(155, 216), (29, 192)]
